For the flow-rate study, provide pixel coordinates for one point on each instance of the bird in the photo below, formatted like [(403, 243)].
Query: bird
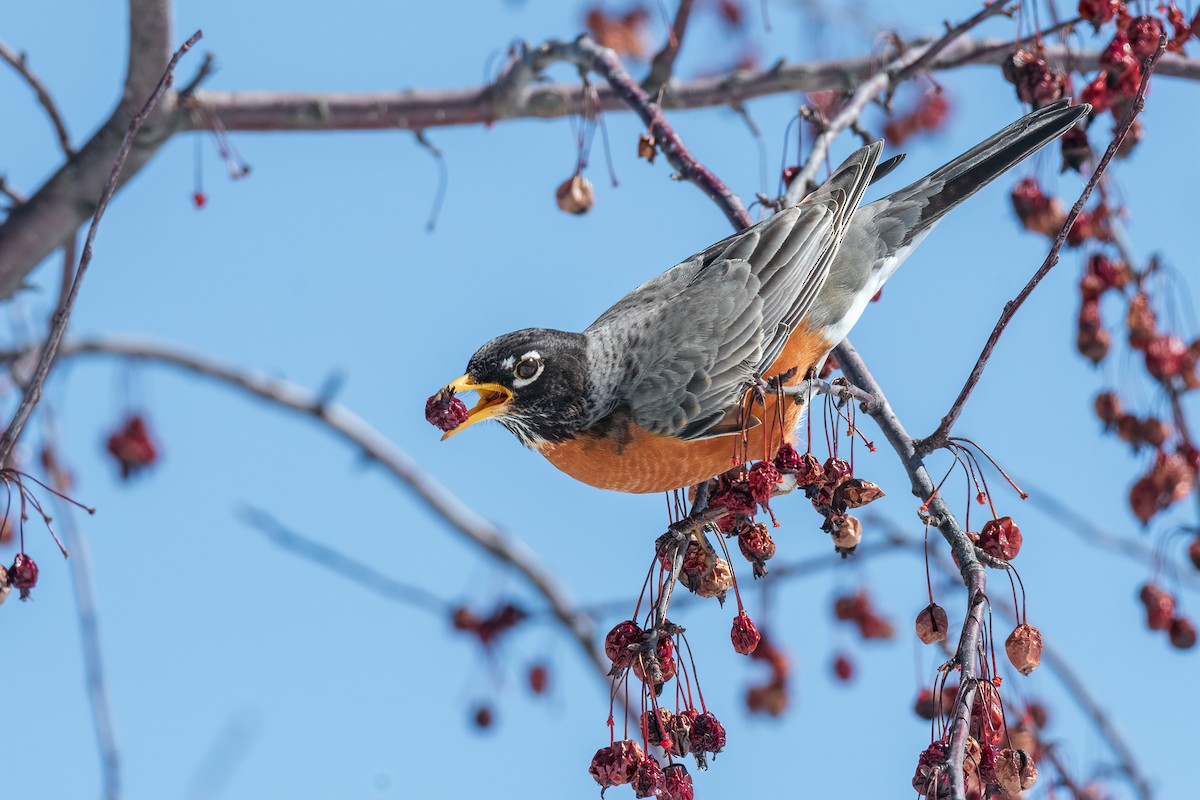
[(657, 393)]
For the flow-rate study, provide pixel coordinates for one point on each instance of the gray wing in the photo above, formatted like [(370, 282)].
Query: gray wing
[(700, 331)]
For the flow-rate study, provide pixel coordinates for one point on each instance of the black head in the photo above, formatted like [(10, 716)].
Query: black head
[(533, 382)]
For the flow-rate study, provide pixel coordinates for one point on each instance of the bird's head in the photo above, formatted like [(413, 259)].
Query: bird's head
[(533, 382)]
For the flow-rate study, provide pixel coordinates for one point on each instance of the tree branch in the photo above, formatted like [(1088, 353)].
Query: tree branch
[(33, 390), (940, 436), (664, 61), (45, 99), (352, 429)]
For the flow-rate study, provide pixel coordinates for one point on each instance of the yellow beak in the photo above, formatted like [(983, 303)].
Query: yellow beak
[(493, 398)]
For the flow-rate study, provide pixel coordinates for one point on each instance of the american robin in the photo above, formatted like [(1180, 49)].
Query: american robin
[(653, 395)]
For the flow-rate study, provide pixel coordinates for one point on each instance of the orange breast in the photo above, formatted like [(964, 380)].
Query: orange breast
[(633, 460)]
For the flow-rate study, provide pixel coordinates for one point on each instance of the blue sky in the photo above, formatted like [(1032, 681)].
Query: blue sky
[(319, 264)]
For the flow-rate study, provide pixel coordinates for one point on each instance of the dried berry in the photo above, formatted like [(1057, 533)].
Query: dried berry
[(756, 544), (1108, 408), (851, 607), (539, 678), (1129, 428), (1141, 322), (930, 776), (1001, 538), (678, 783), (1015, 771), (1076, 150), (932, 624), (764, 477), (133, 446), (708, 734), (1154, 431), (656, 727), (1099, 12), (616, 764), (681, 731), (1097, 94), (1166, 357), (1194, 553), (1118, 58), (717, 581), (855, 492), (843, 668), (846, 532), (1035, 82), (1143, 33), (649, 780), (646, 149), (744, 635), (445, 411), (665, 652), (836, 470), (1182, 632), (1035, 210), (923, 706), (575, 195), (622, 643), (483, 718), (787, 460), (1024, 648), (23, 574), (810, 471), (1160, 606)]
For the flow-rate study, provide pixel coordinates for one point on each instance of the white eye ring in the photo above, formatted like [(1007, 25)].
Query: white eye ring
[(527, 370)]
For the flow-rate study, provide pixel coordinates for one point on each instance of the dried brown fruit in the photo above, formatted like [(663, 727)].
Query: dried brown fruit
[(846, 532), (1182, 632), (843, 668), (616, 764), (1015, 771), (717, 581), (622, 643), (932, 624), (1075, 148), (1024, 648), (1160, 606), (1194, 552), (1141, 322), (646, 148), (1154, 431), (756, 544), (575, 195), (923, 706), (1143, 33), (1035, 210), (1108, 408), (656, 727), (855, 492)]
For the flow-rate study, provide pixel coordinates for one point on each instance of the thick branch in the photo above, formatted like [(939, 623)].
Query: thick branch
[(356, 431), (940, 436), (34, 229)]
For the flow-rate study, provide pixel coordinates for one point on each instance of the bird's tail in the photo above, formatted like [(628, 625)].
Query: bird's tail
[(937, 193)]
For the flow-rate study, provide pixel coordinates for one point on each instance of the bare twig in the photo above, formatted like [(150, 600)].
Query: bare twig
[(89, 627), (8, 191), (33, 390), (45, 99), (335, 561), (664, 61), (934, 50), (939, 437)]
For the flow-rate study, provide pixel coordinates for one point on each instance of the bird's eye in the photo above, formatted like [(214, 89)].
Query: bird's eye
[(527, 368)]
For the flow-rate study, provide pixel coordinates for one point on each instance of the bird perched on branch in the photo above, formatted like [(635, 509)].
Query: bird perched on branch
[(658, 393)]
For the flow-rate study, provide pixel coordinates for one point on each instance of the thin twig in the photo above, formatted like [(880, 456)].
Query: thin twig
[(33, 391), (337, 562), (12, 194), (85, 609), (663, 64), (939, 437), (926, 58), (45, 99)]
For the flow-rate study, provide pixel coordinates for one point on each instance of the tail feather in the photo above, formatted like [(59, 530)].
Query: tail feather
[(946, 187)]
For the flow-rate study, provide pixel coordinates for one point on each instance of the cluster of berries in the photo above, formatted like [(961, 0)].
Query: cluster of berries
[(1163, 614)]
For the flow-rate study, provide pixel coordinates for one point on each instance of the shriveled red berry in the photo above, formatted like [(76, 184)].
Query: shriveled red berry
[(1143, 33), (199, 199), (681, 731), (1194, 553), (1108, 408), (678, 784), (1166, 357), (656, 726), (1097, 94), (1154, 431), (1098, 12), (1075, 148), (923, 706), (539, 678), (787, 459), (1159, 605), (23, 574), (1141, 322), (744, 635), (756, 544), (1182, 632), (1035, 210), (809, 472), (622, 643), (649, 780), (843, 668), (1024, 648), (932, 624), (445, 411), (483, 718), (616, 764), (708, 734), (851, 607), (133, 446), (930, 776), (836, 469), (1001, 538), (1036, 83), (1118, 58), (764, 477)]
